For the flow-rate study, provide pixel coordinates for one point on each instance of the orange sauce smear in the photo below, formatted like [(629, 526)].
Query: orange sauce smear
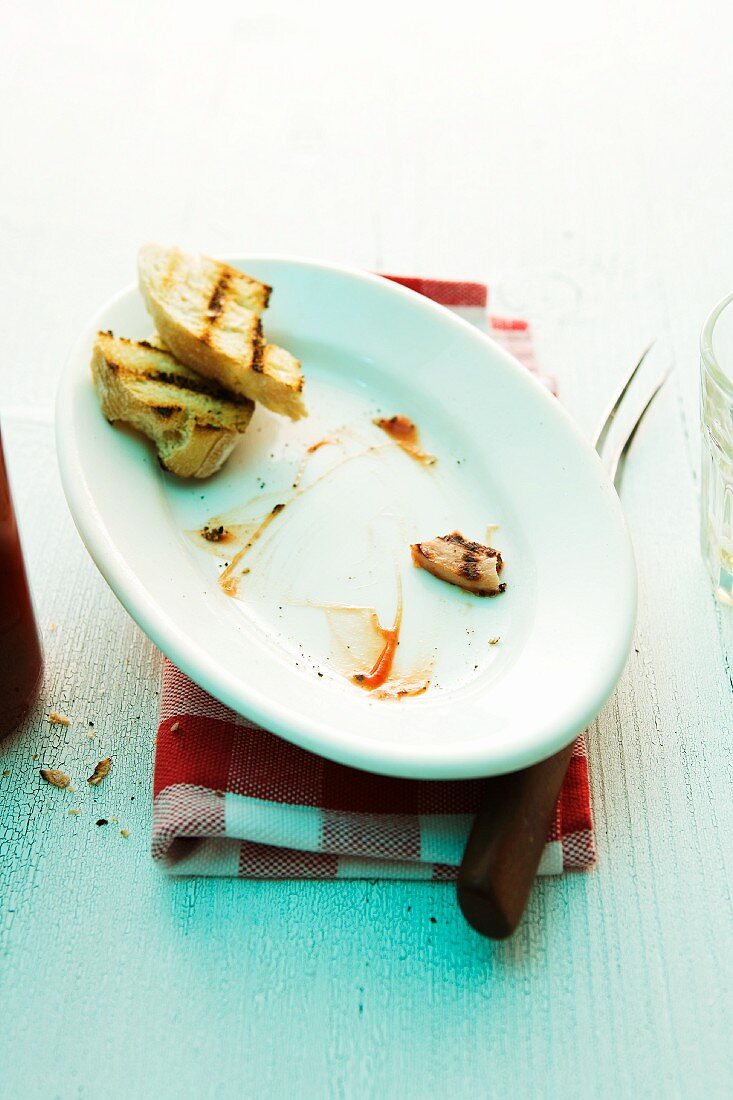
[(215, 535), (405, 434), (317, 446), (382, 667), (227, 581)]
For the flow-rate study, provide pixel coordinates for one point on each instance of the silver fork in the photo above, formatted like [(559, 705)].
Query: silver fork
[(508, 835), (612, 456)]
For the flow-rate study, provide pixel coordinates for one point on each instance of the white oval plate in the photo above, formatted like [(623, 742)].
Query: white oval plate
[(507, 454)]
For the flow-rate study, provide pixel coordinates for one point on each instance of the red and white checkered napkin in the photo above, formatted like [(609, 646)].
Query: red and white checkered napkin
[(232, 799)]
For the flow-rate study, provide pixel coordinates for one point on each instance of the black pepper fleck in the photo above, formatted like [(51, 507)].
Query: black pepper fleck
[(102, 821)]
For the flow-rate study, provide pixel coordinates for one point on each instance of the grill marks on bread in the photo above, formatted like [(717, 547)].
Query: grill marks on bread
[(192, 422), (216, 301), (160, 366), (214, 317), (208, 314)]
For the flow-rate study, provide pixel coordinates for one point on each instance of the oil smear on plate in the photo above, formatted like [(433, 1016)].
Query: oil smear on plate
[(234, 535), (338, 579)]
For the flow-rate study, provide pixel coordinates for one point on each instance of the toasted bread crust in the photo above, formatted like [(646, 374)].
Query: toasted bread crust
[(200, 350), (192, 424), (207, 313)]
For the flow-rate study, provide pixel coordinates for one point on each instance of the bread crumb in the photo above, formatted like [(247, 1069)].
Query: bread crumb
[(214, 534), (55, 777), (100, 772), (495, 640), (52, 627), (124, 832), (175, 726), (491, 529), (74, 813), (6, 773), (57, 719), (115, 820)]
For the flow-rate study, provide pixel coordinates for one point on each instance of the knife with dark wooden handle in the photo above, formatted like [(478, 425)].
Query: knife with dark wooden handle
[(510, 830), (506, 842)]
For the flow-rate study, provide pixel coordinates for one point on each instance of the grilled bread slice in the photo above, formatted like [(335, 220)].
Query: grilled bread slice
[(208, 314), (277, 362), (192, 422)]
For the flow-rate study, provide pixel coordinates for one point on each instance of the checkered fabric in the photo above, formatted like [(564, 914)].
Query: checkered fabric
[(231, 799)]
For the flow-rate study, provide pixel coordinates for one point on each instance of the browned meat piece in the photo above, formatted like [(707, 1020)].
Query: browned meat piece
[(454, 559)]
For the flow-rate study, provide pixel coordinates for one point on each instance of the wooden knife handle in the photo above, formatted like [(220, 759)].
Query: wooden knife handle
[(506, 843)]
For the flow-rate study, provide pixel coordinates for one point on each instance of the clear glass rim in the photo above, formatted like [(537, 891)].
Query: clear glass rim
[(706, 346)]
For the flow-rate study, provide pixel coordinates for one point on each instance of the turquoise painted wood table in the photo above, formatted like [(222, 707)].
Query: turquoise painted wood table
[(579, 160)]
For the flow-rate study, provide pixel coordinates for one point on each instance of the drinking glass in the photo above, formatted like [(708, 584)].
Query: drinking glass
[(716, 415)]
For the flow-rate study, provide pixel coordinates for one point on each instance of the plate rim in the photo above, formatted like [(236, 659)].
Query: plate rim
[(192, 657)]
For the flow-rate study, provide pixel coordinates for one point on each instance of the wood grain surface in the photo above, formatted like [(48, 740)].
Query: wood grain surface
[(578, 157)]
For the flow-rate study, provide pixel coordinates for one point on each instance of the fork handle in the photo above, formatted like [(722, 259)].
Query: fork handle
[(506, 843)]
